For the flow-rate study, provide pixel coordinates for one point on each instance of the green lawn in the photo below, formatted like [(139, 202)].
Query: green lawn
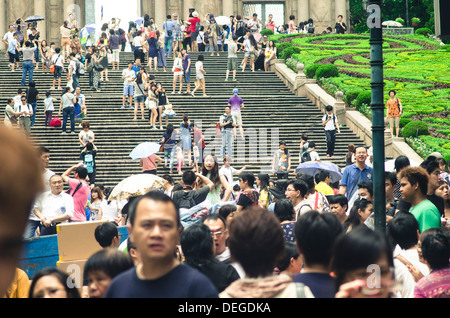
[(415, 66)]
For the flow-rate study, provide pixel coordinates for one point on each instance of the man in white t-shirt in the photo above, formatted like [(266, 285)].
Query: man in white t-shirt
[(330, 123), (128, 76), (228, 171), (33, 220), (53, 207), (311, 154)]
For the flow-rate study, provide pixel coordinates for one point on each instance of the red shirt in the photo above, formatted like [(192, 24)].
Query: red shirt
[(149, 163), (193, 22)]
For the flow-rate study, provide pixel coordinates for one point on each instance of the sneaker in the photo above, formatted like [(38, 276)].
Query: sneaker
[(63, 133), (226, 80), (143, 118), (234, 80), (131, 107), (123, 106), (161, 128), (154, 128), (73, 133), (134, 118)]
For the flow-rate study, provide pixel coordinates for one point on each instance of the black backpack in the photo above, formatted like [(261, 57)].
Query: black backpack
[(240, 26), (306, 156), (198, 26), (310, 28)]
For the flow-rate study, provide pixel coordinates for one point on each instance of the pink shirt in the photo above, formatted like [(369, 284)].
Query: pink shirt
[(79, 199), (149, 163)]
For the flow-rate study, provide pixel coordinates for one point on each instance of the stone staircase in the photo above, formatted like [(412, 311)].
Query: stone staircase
[(271, 113)]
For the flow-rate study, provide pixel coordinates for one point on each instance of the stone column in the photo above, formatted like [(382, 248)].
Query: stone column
[(40, 9), (3, 22), (340, 9), (303, 10), (227, 8), (187, 4), (339, 107), (160, 13)]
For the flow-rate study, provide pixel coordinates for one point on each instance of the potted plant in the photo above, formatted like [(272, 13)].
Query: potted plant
[(415, 21), (400, 20)]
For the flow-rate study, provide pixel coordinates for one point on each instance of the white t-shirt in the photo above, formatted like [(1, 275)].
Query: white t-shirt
[(58, 60), (227, 172), (86, 136), (73, 63), (112, 210), (131, 76), (198, 67), (17, 102), (330, 125), (9, 36), (137, 41), (48, 102), (53, 206)]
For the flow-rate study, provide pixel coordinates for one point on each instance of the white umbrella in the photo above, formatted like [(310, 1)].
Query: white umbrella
[(136, 185), (144, 150), (390, 164), (223, 20), (392, 23)]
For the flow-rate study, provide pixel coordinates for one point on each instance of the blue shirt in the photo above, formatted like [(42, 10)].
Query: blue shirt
[(322, 285), (136, 69), (181, 282), (169, 26), (353, 176)]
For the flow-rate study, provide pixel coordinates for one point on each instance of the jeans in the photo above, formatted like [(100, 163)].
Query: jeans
[(227, 141), (30, 230), (76, 81), (91, 79), (33, 117), (331, 140), (27, 68), (169, 39), (169, 152), (68, 111)]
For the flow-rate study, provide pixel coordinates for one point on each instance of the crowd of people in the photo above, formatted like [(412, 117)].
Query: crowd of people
[(283, 234)]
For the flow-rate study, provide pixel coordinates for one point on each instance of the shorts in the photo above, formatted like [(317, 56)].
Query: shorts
[(115, 56), (139, 99), (248, 54), (13, 57), (187, 77), (237, 118), (232, 63), (200, 76), (178, 73), (152, 104), (395, 120), (178, 37), (128, 89), (58, 72)]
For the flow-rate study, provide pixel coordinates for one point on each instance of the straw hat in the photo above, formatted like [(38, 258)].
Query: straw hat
[(195, 14)]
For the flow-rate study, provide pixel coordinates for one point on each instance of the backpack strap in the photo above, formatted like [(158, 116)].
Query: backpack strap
[(76, 189)]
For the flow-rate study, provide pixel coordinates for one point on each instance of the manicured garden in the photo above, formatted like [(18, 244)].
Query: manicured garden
[(417, 67)]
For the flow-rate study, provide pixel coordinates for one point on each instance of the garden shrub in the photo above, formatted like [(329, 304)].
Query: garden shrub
[(310, 71), (404, 122), (327, 70), (266, 32), (350, 97), (414, 129), (289, 51), (423, 31), (364, 97), (281, 47)]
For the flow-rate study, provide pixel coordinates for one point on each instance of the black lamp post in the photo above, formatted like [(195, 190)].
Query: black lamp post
[(377, 105)]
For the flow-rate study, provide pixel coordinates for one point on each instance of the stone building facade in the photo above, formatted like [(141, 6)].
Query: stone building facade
[(323, 12)]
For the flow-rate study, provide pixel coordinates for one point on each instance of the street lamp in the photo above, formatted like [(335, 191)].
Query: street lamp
[(377, 105)]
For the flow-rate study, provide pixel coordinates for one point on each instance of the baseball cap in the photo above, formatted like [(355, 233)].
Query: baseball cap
[(235, 91)]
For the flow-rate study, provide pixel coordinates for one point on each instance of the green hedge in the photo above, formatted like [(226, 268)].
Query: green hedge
[(423, 31), (281, 47), (266, 32), (415, 129), (310, 71), (327, 71), (289, 51), (364, 97), (350, 97)]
